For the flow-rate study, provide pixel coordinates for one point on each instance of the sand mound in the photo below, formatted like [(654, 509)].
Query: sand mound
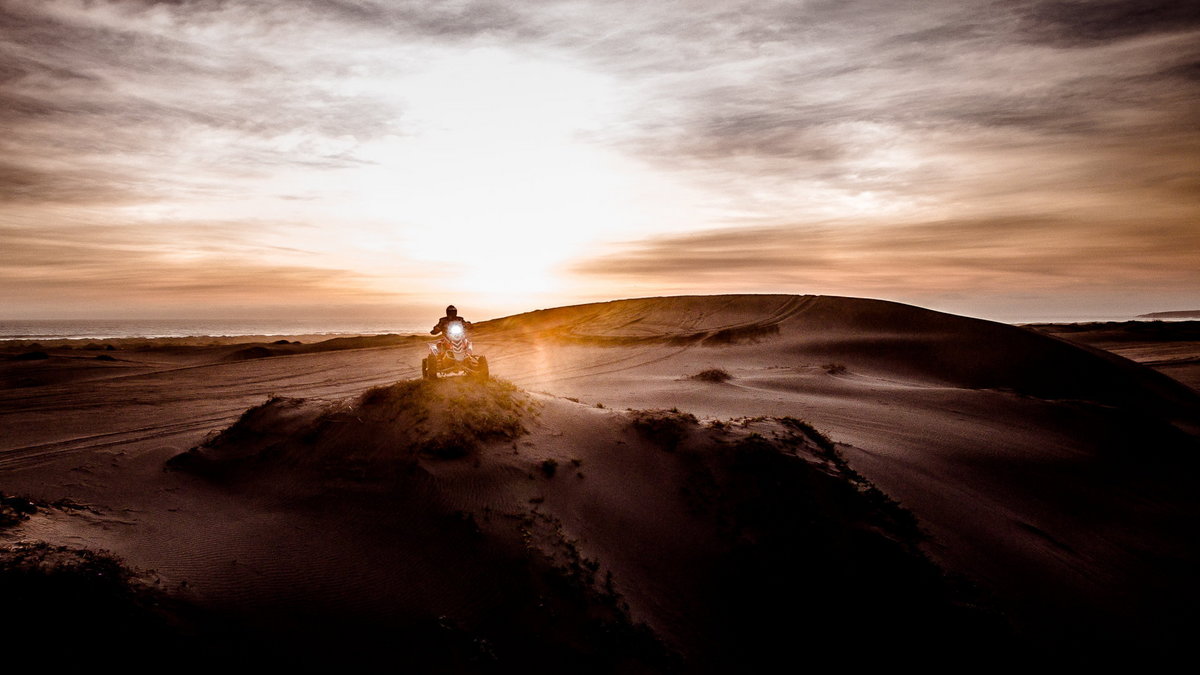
[(256, 352), (533, 533), (31, 356), (385, 430)]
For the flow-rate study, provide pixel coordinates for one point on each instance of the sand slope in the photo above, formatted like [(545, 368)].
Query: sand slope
[(1170, 347), (1059, 478), (887, 338)]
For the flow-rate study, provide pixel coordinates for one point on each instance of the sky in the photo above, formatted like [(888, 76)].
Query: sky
[(229, 158)]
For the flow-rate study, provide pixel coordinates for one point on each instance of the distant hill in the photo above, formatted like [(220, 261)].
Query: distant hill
[(1180, 314)]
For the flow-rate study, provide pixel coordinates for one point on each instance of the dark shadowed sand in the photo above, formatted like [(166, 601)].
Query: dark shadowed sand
[(1171, 347), (657, 485)]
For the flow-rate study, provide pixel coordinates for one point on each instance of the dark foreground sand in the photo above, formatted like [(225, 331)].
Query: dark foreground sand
[(607, 511)]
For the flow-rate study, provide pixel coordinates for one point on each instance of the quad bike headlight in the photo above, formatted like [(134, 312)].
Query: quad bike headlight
[(455, 331)]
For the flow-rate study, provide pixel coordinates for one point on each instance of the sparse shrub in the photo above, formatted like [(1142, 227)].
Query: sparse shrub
[(834, 368), (712, 375), (15, 509), (549, 467), (809, 431), (9, 516), (664, 427), (32, 356)]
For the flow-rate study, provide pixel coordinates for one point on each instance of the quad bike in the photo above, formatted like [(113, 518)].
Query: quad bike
[(452, 355)]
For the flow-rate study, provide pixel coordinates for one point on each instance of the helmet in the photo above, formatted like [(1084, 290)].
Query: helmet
[(451, 311)]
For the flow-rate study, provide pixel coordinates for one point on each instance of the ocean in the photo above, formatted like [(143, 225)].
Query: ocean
[(96, 329)]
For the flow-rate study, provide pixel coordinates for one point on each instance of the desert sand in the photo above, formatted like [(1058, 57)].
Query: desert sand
[(851, 475)]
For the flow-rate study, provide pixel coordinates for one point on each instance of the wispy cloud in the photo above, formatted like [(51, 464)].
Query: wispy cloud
[(1075, 23), (167, 267), (914, 260)]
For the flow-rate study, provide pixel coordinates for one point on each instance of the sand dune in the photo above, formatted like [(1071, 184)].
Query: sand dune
[(1172, 348), (877, 336), (687, 541), (1057, 479)]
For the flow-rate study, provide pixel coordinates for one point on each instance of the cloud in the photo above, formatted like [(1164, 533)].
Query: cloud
[(180, 262), (22, 184), (1030, 254), (920, 137), (111, 93), (1082, 24), (783, 91), (1186, 70), (917, 106)]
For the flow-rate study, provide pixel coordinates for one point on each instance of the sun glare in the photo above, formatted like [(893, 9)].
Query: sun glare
[(502, 168), (495, 176)]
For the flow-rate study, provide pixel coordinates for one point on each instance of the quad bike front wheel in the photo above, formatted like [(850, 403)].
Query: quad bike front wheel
[(429, 367), (481, 368)]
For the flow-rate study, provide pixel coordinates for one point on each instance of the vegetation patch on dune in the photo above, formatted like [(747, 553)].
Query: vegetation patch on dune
[(666, 428), (14, 510), (570, 614), (798, 528), (450, 417), (88, 599), (385, 429), (810, 432), (32, 356), (712, 375), (255, 352)]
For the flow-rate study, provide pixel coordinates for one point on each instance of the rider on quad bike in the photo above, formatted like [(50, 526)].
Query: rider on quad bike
[(451, 315), (453, 353)]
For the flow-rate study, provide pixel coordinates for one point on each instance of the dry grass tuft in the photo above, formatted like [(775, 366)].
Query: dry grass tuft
[(712, 375)]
